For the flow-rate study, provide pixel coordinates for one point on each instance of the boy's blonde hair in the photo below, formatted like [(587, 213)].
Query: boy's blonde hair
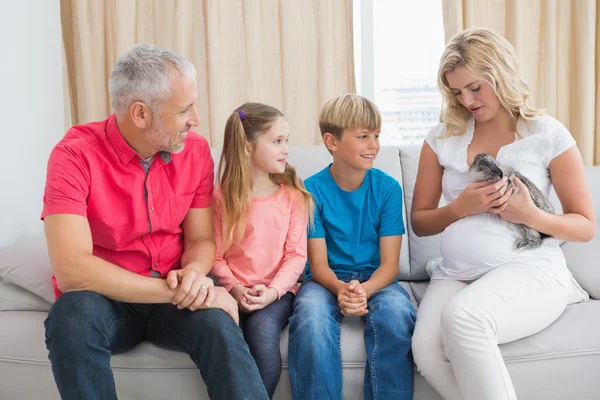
[(491, 57), (244, 126), (348, 111)]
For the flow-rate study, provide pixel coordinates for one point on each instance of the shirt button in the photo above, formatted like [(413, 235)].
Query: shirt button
[(151, 209), (155, 265)]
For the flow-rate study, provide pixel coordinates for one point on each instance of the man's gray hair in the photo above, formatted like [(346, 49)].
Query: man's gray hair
[(143, 74)]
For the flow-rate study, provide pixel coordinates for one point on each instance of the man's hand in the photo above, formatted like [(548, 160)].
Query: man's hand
[(224, 301), (195, 289), (258, 297), (352, 299)]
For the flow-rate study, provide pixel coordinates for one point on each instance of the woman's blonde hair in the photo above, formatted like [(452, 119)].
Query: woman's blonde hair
[(489, 56), (244, 126)]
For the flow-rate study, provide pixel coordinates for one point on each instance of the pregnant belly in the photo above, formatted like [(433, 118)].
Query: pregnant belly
[(477, 242)]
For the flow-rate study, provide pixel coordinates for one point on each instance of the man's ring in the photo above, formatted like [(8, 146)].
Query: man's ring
[(203, 287)]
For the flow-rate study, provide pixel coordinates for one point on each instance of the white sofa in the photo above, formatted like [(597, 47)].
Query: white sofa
[(561, 362)]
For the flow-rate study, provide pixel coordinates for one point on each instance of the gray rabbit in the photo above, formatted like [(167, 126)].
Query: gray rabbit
[(485, 167)]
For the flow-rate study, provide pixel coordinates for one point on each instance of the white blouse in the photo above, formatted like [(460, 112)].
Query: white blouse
[(478, 243)]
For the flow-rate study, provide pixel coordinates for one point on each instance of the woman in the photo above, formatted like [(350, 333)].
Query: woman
[(485, 292)]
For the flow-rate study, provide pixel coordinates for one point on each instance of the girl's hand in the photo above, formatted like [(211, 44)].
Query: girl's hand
[(258, 297), (482, 197), (520, 209), (237, 291)]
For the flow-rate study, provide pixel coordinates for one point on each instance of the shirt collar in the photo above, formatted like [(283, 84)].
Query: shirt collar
[(122, 148)]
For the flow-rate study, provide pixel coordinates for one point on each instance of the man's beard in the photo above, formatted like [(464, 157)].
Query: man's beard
[(156, 137)]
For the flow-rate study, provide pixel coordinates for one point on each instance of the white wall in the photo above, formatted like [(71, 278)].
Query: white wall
[(31, 110)]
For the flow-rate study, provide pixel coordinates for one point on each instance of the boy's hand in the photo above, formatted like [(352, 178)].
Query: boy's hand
[(258, 297), (352, 300)]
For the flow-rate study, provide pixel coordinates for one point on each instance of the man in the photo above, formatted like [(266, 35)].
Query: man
[(128, 220)]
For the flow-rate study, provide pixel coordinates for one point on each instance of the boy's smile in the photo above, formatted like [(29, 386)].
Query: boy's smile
[(357, 148)]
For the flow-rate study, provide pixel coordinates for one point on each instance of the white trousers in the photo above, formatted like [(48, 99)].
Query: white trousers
[(460, 325)]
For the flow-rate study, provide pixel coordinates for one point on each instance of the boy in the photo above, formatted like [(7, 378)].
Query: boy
[(353, 257)]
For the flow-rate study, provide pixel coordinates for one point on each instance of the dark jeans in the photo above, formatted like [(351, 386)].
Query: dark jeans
[(262, 330), (84, 329)]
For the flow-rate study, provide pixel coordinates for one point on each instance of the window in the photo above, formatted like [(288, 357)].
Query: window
[(397, 48)]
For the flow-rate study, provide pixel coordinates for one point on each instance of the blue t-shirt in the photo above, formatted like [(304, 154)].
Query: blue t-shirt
[(352, 222)]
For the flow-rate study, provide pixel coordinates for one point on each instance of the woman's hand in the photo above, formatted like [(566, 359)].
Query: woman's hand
[(520, 208), (480, 197)]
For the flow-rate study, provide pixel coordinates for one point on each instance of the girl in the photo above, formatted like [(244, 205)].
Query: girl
[(484, 292), (261, 215)]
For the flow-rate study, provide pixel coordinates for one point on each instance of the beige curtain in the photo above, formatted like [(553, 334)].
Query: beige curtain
[(291, 54), (558, 45)]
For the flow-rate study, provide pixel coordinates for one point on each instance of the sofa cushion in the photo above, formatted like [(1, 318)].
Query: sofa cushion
[(418, 289), (422, 249), (557, 363), (14, 298), (583, 259), (147, 371), (27, 265)]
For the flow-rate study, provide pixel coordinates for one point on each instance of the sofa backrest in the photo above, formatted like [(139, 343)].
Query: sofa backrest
[(26, 264), (422, 249), (402, 163), (309, 160), (582, 258)]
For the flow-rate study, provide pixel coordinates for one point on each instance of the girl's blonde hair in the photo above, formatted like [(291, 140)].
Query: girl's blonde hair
[(244, 126), (489, 56)]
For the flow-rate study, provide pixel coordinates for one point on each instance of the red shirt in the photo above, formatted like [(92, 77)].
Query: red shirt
[(135, 217)]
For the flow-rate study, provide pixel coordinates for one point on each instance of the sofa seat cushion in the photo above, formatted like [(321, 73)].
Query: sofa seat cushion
[(22, 340), (146, 371), (573, 335), (560, 362), (557, 363)]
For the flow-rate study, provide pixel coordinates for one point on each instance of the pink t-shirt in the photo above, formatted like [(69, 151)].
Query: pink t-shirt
[(272, 251), (135, 216)]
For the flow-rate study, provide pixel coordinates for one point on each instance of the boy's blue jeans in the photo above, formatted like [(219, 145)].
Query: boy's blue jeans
[(315, 361), (83, 329)]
